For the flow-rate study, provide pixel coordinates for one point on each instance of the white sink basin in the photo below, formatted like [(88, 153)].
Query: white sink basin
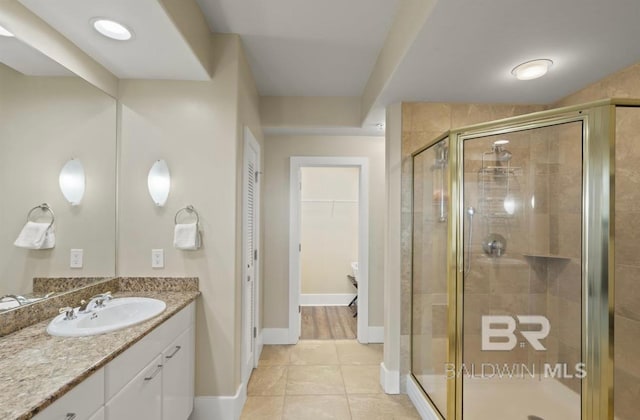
[(10, 304), (118, 313)]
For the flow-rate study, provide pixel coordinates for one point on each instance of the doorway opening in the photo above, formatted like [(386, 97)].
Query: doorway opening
[(329, 252), (329, 248)]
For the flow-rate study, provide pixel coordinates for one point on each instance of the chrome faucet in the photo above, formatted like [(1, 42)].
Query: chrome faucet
[(69, 314), (20, 299), (95, 302)]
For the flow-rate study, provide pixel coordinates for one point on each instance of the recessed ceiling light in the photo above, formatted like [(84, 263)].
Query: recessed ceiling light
[(112, 29), (5, 32), (532, 69)]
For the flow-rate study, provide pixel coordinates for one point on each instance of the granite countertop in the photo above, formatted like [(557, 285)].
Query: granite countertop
[(37, 368)]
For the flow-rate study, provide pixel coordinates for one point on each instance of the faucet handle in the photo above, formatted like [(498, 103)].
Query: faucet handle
[(69, 313)]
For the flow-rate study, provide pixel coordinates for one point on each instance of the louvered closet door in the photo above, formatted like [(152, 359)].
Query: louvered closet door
[(250, 227)]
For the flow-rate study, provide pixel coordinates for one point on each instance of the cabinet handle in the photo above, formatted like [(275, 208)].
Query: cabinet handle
[(153, 375), (70, 416), (174, 352)]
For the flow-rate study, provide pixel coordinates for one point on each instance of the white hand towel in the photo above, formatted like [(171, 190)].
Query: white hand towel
[(49, 239), (32, 236), (186, 236)]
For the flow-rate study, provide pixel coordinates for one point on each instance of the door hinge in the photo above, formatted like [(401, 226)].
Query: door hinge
[(255, 255), (255, 332), (299, 308), (299, 247), (248, 278)]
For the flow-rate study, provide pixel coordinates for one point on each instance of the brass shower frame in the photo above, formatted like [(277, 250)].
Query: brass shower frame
[(598, 278)]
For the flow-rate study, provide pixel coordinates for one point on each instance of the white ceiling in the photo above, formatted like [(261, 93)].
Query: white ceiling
[(467, 49), (157, 51), (306, 47), (24, 59)]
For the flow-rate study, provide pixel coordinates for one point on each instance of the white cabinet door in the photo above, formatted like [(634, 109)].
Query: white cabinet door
[(141, 398), (178, 377), (98, 415)]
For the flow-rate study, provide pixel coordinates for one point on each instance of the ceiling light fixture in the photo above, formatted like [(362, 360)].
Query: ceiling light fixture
[(5, 32), (380, 126), (532, 69), (112, 29)]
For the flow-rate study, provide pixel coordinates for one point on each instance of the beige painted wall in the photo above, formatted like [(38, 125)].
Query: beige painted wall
[(45, 121), (196, 127), (315, 111), (329, 229), (278, 150)]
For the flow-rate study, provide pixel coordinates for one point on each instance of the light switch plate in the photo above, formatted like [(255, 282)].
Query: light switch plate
[(75, 260), (157, 258)]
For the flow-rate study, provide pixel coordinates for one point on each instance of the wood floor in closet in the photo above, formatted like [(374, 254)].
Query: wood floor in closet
[(328, 323)]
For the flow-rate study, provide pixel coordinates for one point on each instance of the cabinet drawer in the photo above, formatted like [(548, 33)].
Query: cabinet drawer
[(82, 401), (141, 398), (124, 367)]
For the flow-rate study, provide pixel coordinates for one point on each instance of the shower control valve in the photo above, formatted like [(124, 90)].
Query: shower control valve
[(494, 245)]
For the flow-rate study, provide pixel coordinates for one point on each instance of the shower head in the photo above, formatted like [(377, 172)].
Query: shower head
[(502, 154)]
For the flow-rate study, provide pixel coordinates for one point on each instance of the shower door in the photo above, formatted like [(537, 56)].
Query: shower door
[(429, 316), (522, 284)]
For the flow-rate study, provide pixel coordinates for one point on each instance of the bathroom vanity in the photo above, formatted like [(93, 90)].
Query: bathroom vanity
[(144, 371)]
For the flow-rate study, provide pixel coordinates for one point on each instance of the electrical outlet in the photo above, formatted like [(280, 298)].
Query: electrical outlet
[(157, 258), (75, 260)]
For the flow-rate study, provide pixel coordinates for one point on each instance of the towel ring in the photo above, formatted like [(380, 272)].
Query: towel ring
[(188, 209), (42, 207)]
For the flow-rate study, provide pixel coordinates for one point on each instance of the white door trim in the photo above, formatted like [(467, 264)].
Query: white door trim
[(250, 143), (296, 163)]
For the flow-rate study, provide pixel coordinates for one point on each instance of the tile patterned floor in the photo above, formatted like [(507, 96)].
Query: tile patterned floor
[(322, 379)]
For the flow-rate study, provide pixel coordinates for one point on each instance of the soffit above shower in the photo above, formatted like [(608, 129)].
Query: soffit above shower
[(158, 49)]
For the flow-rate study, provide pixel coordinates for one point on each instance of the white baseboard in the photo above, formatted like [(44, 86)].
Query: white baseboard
[(276, 336), (220, 408), (389, 380), (420, 401), (338, 299), (376, 334)]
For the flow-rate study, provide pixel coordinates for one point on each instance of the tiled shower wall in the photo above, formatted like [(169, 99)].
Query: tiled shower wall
[(624, 84), (627, 265)]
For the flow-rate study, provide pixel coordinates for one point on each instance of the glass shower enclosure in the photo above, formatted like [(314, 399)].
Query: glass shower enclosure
[(512, 268)]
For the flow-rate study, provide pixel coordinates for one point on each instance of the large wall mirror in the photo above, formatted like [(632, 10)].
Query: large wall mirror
[(48, 117)]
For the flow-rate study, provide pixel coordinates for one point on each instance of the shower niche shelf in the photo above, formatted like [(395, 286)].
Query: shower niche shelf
[(547, 256)]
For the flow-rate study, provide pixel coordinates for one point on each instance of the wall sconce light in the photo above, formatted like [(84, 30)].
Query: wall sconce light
[(72, 181), (159, 182)]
